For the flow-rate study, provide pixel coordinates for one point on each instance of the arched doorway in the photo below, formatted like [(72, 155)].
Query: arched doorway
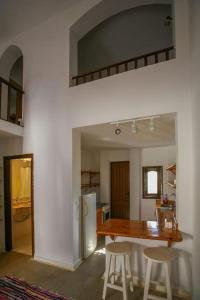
[(11, 85)]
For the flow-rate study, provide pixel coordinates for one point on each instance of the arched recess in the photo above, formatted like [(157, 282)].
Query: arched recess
[(98, 14), (11, 74)]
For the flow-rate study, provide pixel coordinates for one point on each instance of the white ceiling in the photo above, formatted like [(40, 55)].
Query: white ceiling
[(102, 136), (17, 16)]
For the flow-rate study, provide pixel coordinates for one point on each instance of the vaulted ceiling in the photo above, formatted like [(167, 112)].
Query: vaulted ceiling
[(17, 16)]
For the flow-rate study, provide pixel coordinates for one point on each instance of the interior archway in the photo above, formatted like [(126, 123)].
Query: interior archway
[(11, 73), (95, 16)]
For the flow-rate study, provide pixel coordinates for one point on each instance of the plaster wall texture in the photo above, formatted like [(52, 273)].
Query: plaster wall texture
[(133, 32), (52, 109)]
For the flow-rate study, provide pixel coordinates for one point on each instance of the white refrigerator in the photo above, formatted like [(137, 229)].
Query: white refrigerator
[(88, 224)]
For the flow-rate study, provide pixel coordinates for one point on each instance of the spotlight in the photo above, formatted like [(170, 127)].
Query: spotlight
[(134, 128), (117, 131)]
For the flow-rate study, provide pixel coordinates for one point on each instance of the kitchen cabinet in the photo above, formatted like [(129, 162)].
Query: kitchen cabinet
[(90, 178)]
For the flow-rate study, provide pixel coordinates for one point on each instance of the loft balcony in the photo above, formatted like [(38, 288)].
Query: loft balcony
[(11, 102), (126, 65)]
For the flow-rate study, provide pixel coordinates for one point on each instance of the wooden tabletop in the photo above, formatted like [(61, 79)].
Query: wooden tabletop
[(138, 229)]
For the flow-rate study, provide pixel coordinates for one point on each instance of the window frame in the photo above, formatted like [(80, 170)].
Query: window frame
[(145, 170)]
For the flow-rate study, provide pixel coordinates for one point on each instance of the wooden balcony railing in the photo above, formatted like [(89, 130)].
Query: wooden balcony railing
[(11, 102), (126, 65)]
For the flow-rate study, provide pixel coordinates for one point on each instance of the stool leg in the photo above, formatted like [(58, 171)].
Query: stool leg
[(129, 273), (147, 279), (107, 272), (169, 291), (113, 269), (123, 261)]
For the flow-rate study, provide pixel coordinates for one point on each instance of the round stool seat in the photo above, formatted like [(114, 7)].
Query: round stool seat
[(159, 254), (119, 248)]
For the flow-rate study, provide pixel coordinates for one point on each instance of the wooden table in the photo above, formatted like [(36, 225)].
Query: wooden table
[(138, 229)]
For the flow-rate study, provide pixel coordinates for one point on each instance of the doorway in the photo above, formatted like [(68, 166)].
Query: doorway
[(120, 190), (18, 203)]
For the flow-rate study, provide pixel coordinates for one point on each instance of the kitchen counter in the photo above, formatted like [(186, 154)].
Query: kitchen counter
[(138, 229)]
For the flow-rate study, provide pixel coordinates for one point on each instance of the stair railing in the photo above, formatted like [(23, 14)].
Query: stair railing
[(11, 102)]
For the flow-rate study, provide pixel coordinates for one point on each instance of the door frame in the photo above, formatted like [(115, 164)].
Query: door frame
[(112, 162), (7, 200)]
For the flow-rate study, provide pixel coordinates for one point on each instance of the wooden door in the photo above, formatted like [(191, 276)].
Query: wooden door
[(120, 190)]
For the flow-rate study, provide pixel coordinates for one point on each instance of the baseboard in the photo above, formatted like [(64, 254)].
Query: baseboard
[(55, 263), (77, 263)]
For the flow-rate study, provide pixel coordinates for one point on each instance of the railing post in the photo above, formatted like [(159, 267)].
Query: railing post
[(156, 58), (0, 97), (167, 54), (124, 63), (117, 69), (136, 63)]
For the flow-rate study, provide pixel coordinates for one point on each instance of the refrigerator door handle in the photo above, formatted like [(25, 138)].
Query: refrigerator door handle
[(85, 209)]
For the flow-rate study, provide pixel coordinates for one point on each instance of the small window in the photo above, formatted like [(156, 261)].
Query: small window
[(152, 182)]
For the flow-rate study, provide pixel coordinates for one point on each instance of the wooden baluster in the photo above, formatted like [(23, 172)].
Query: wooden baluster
[(117, 69), (0, 97), (8, 104), (18, 107), (167, 54), (156, 58), (136, 63)]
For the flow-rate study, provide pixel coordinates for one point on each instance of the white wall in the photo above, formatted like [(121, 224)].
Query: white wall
[(52, 110), (76, 193), (90, 160), (195, 95), (134, 32), (135, 183), (11, 129), (159, 156)]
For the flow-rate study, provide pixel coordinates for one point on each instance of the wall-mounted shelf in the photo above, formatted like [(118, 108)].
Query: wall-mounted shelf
[(91, 179), (171, 184), (172, 169)]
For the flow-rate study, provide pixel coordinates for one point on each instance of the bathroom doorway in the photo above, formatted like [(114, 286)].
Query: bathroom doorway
[(18, 203)]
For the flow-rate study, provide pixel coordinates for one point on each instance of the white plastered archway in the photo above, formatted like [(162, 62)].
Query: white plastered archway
[(99, 13), (7, 60)]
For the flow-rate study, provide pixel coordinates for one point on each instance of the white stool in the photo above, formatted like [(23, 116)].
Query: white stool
[(122, 251), (160, 255)]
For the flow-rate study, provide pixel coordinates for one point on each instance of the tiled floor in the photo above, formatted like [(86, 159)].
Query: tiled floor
[(84, 284)]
